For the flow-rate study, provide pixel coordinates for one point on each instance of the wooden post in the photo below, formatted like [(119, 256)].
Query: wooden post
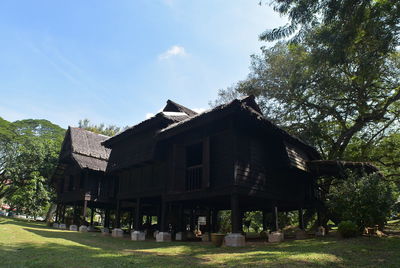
[(163, 227), (301, 219), (131, 220), (107, 218), (192, 220), (208, 222), (75, 216), (118, 215), (264, 220), (181, 224), (84, 210), (214, 221), (276, 218), (91, 216), (235, 214), (138, 213)]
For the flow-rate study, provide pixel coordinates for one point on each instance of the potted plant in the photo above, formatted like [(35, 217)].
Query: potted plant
[(217, 239)]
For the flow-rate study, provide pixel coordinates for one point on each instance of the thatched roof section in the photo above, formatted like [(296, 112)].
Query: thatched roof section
[(87, 150), (175, 107), (338, 168), (171, 113), (247, 106)]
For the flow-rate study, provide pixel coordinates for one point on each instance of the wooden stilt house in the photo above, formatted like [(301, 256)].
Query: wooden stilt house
[(179, 165)]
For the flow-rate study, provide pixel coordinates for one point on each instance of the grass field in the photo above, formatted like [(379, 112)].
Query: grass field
[(24, 244)]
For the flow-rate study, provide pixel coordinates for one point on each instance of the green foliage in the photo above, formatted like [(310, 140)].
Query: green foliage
[(348, 229), (109, 130), (28, 155), (366, 200), (344, 27), (328, 105), (225, 225)]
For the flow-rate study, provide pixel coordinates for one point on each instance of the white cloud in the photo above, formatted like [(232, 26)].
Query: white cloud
[(172, 52), (149, 115), (199, 110)]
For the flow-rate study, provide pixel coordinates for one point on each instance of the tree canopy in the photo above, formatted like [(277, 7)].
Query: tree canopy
[(109, 130), (29, 153)]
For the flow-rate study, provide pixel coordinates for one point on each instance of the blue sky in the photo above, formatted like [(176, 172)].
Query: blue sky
[(117, 61)]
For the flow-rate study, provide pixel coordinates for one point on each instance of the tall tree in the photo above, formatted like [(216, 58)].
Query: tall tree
[(29, 154), (328, 105), (109, 130)]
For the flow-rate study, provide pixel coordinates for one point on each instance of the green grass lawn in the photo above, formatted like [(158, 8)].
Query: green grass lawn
[(24, 244)]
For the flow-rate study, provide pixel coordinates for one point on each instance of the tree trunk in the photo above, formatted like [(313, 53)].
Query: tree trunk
[(50, 213)]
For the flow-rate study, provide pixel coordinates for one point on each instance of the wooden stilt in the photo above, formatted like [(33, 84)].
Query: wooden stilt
[(107, 218), (118, 215), (236, 215), (138, 213), (301, 219), (163, 227), (91, 216), (276, 218), (264, 220)]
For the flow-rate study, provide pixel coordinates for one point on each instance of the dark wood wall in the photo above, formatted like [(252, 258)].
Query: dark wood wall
[(76, 183), (216, 167), (147, 179)]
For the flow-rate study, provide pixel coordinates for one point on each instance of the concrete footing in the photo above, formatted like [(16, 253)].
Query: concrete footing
[(73, 227), (275, 237), (301, 234), (83, 228), (138, 236), (155, 233), (190, 235), (235, 240), (55, 225), (320, 231), (116, 232), (62, 226), (163, 237), (105, 231), (91, 228), (179, 236)]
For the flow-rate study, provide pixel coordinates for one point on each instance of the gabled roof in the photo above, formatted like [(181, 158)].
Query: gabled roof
[(172, 113), (247, 106), (86, 148)]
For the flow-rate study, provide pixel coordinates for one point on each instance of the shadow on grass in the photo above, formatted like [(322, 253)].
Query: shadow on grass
[(73, 249)]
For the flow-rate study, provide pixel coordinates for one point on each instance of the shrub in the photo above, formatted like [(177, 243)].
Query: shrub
[(364, 200), (348, 229)]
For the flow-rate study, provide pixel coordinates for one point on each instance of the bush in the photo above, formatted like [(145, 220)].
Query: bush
[(364, 200), (348, 229)]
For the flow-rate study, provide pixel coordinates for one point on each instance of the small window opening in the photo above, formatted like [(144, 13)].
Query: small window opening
[(194, 169), (194, 155)]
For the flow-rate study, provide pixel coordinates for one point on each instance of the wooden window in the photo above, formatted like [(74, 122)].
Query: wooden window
[(194, 167), (197, 166)]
